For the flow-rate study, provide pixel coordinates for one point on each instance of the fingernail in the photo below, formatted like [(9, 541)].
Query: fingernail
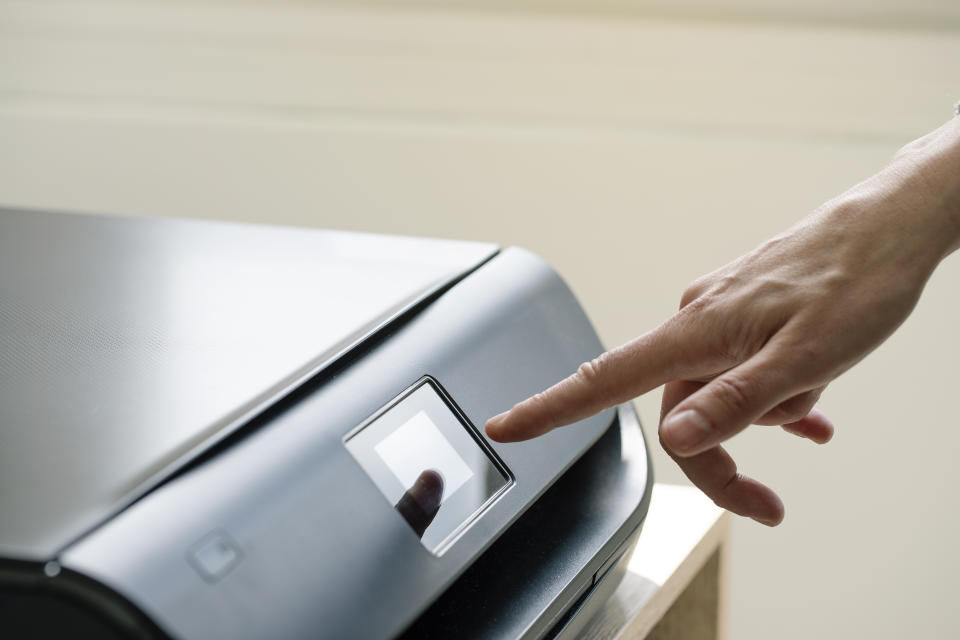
[(686, 430)]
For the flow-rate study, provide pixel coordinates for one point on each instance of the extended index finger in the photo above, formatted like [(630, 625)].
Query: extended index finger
[(663, 354)]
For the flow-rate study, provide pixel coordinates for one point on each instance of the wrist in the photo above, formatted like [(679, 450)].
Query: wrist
[(953, 176), (938, 167), (905, 219), (926, 173)]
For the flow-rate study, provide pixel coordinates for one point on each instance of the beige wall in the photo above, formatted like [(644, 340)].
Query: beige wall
[(632, 152)]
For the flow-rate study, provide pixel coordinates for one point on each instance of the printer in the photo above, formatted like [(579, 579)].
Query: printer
[(217, 430)]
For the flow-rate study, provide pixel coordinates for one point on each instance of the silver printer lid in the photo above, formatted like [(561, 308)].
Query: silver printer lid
[(154, 338)]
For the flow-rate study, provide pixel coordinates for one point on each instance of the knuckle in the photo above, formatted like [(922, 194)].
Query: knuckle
[(538, 402), (694, 291), (539, 407), (701, 311), (734, 392), (591, 374), (721, 496), (796, 407), (688, 296), (809, 362)]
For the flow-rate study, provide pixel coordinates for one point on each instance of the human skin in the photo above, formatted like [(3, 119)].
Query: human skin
[(758, 340)]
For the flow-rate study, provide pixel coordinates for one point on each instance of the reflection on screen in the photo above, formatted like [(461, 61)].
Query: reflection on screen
[(418, 445)]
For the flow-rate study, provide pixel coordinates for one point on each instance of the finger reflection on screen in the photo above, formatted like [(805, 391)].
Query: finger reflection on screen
[(419, 505)]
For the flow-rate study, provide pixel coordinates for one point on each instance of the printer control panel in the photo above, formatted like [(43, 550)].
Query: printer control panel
[(430, 463)]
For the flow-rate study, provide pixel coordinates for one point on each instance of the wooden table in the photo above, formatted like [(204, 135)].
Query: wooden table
[(675, 584)]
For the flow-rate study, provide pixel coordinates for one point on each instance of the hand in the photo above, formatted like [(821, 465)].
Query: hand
[(757, 341)]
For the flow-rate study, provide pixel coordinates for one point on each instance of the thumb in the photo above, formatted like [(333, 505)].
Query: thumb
[(729, 403)]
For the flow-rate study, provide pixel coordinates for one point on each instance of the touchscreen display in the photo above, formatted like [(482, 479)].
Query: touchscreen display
[(418, 446), (431, 465)]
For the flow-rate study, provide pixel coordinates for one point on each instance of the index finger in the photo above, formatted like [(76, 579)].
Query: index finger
[(666, 353)]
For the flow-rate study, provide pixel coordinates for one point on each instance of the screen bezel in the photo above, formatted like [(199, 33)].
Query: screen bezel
[(373, 469)]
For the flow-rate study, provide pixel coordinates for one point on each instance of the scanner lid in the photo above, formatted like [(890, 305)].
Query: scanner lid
[(128, 345)]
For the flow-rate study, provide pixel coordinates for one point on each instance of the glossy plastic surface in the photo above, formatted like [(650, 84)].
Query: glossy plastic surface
[(310, 546), (127, 345)]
